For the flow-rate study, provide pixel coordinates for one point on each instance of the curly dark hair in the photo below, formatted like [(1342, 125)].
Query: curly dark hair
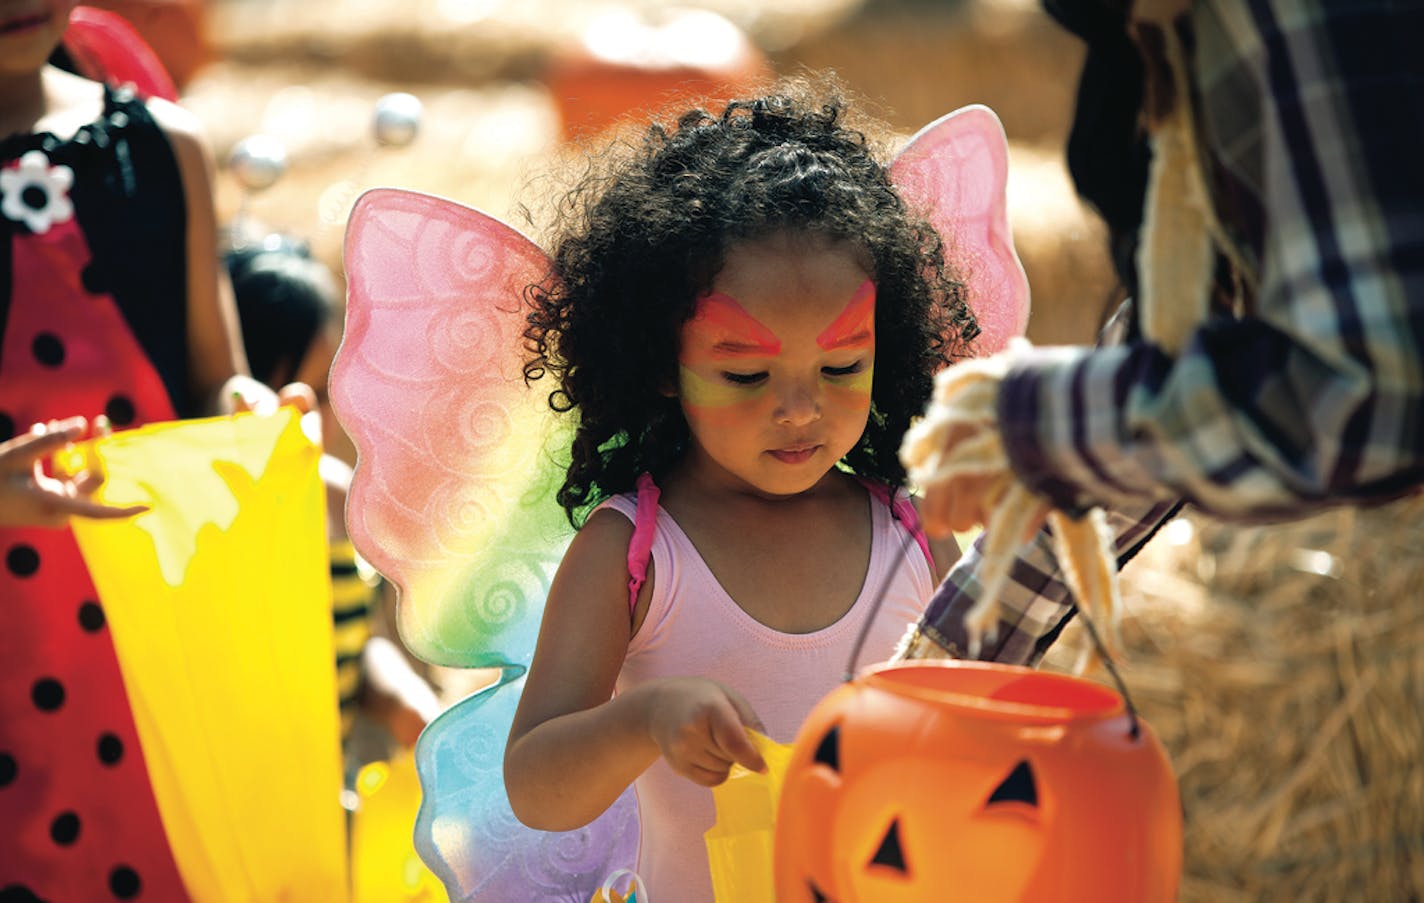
[(646, 233)]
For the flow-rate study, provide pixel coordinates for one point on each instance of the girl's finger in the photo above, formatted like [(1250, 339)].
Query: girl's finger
[(731, 738), (31, 448), (707, 777), (84, 507)]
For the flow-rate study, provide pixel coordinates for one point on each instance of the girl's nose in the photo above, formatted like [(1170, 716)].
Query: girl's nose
[(799, 405)]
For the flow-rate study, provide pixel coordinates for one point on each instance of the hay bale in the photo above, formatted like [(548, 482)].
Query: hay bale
[(1282, 667)]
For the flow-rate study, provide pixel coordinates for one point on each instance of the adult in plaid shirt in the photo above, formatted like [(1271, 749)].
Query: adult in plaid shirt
[(1297, 380)]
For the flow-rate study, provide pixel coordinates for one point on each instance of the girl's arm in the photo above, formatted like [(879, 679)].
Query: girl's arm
[(573, 746), (215, 354)]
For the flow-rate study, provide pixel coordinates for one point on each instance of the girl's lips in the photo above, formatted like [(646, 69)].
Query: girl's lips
[(795, 455)]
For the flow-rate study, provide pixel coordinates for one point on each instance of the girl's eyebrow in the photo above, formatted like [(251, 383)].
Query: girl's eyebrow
[(737, 333), (853, 327)]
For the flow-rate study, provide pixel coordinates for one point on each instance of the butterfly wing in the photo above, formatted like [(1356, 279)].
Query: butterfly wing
[(468, 834), (453, 494), (453, 501), (955, 172)]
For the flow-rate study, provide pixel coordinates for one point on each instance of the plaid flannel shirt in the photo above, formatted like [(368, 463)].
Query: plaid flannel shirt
[(1309, 394)]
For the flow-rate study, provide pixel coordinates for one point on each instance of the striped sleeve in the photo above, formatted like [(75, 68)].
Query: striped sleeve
[(1315, 397)]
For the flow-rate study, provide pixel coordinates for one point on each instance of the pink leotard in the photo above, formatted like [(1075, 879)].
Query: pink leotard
[(693, 627)]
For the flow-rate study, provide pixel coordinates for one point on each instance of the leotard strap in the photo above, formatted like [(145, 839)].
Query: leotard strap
[(904, 511), (640, 547)]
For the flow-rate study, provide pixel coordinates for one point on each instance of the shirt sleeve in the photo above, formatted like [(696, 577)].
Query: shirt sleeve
[(1316, 395), (1035, 601)]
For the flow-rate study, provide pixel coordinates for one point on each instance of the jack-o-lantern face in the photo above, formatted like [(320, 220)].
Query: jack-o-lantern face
[(933, 781)]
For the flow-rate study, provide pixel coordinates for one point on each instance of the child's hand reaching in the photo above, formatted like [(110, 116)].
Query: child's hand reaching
[(699, 726), (30, 497)]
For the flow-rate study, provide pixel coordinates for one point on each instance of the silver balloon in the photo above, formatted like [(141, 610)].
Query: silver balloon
[(397, 119), (258, 161)]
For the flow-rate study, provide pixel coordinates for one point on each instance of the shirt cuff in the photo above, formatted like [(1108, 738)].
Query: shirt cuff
[(1063, 417)]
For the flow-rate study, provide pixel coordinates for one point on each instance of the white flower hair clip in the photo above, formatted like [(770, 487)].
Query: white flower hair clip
[(36, 193)]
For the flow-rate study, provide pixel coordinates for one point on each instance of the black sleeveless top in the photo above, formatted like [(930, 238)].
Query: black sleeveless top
[(129, 202)]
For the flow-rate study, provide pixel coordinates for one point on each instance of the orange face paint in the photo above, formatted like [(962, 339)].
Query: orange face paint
[(722, 331), (855, 327), (852, 330)]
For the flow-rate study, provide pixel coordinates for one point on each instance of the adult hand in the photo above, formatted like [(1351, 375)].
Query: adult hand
[(699, 726), (31, 498)]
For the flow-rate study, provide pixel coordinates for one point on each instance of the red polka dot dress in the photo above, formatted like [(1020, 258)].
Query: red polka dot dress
[(92, 321)]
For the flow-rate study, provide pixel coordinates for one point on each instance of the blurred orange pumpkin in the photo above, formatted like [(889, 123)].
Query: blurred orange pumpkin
[(637, 61), (933, 780)]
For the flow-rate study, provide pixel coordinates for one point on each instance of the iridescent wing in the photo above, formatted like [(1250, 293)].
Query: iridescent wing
[(453, 502), (452, 499), (955, 172)]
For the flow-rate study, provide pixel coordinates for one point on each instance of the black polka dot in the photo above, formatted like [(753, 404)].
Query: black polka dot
[(18, 893), (124, 883), (47, 694), (92, 278), (48, 349), (91, 617), (8, 769), (22, 560), (110, 749), (35, 197), (120, 410), (64, 830), (7, 426)]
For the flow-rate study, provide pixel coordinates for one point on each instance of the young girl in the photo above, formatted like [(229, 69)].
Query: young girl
[(111, 303), (745, 320)]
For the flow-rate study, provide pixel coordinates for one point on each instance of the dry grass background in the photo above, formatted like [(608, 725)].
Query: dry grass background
[(1281, 665)]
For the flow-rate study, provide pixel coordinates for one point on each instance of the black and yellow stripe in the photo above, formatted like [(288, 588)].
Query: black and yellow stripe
[(354, 594)]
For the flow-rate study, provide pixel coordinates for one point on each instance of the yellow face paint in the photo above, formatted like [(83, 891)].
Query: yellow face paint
[(722, 333), (852, 330)]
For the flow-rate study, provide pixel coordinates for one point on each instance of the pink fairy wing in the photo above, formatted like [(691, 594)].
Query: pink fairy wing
[(955, 173), (452, 499)]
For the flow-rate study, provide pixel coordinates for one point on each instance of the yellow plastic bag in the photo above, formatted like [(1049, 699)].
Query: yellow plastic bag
[(739, 844), (384, 865), (219, 602)]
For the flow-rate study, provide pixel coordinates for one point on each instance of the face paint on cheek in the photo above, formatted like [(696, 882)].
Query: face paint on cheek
[(702, 393), (853, 329), (852, 391), (720, 333)]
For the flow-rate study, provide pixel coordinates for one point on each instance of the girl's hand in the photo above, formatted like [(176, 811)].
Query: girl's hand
[(699, 726), (31, 498)]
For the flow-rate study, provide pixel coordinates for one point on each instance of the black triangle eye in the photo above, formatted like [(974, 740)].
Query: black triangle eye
[(816, 894), (890, 854), (1018, 787), (828, 753)]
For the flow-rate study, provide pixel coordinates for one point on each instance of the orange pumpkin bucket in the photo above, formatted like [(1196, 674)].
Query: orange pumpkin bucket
[(937, 780)]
